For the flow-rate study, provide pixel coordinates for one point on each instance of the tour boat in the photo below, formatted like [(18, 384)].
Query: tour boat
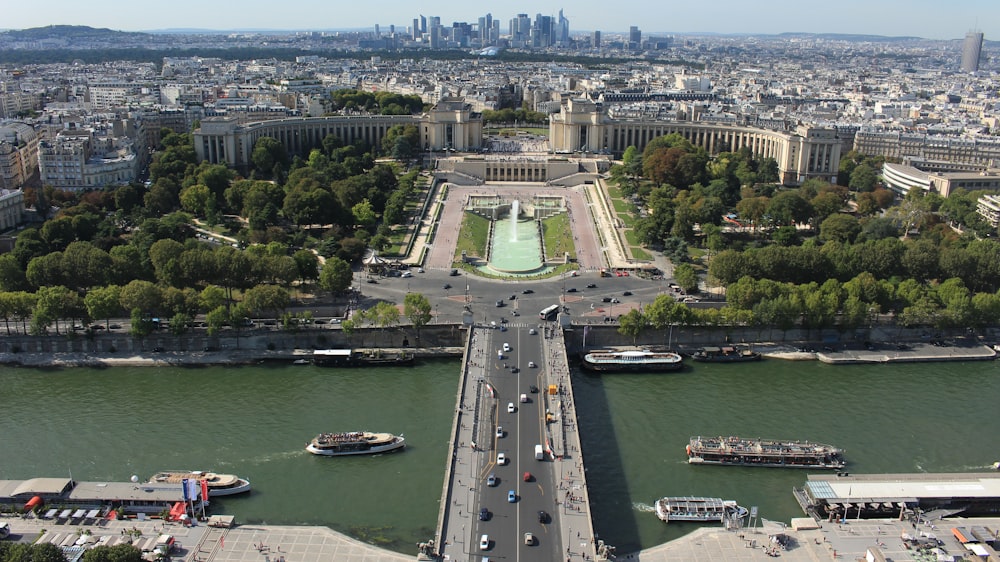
[(354, 443), (218, 484)]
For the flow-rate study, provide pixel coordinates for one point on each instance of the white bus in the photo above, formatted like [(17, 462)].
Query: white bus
[(549, 313)]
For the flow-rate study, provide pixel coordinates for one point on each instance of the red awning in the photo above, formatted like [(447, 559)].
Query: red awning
[(177, 510), (34, 502)]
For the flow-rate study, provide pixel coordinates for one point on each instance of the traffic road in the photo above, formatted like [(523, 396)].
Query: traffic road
[(449, 294), (533, 482)]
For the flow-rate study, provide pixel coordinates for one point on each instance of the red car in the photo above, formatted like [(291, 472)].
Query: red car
[(527, 477)]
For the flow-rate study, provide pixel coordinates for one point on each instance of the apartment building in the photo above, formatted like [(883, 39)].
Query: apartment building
[(82, 159), (18, 154)]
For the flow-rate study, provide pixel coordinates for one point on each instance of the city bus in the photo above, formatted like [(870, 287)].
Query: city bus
[(549, 313)]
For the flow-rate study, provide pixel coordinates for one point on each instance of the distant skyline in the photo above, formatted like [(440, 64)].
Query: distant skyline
[(931, 19)]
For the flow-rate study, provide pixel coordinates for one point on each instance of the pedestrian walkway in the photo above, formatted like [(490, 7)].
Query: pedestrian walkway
[(564, 447)]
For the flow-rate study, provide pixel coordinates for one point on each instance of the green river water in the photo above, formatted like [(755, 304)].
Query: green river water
[(108, 424)]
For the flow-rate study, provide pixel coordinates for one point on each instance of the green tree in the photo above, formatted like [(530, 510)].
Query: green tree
[(12, 276), (117, 553), (141, 295), (336, 275), (197, 199), (632, 324), (840, 227), (104, 303), (863, 178), (789, 208), (686, 277), (263, 298), (363, 213), (417, 309), (268, 152)]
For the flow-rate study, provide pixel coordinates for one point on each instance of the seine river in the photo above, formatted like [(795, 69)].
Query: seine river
[(109, 424)]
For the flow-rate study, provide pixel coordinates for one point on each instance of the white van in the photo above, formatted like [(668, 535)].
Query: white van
[(539, 453), (4, 530), (524, 398)]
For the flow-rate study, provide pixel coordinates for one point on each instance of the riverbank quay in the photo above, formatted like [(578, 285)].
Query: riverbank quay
[(201, 543), (848, 540), (195, 358), (909, 353)]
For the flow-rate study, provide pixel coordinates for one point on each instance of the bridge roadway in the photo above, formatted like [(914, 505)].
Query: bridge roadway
[(492, 384)]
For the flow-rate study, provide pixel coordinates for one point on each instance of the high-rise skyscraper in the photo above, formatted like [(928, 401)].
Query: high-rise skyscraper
[(597, 39), (634, 37), (971, 51)]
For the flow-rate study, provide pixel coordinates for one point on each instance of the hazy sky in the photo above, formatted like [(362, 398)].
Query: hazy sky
[(934, 19)]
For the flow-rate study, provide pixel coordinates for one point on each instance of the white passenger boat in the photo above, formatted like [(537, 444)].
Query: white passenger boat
[(698, 509), (354, 443), (636, 361), (218, 484)]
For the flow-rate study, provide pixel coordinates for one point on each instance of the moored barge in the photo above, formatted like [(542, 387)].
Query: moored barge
[(742, 451), (725, 355), (355, 358)]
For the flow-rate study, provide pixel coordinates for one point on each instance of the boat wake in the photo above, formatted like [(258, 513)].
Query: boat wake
[(275, 456), (643, 507)]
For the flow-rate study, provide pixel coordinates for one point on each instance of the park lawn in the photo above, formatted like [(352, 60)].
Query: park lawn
[(472, 238), (640, 254), (627, 219), (622, 206), (558, 236), (615, 192), (632, 237)]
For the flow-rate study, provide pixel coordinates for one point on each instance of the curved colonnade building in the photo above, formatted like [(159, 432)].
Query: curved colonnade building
[(580, 126), (449, 125), (809, 152)]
